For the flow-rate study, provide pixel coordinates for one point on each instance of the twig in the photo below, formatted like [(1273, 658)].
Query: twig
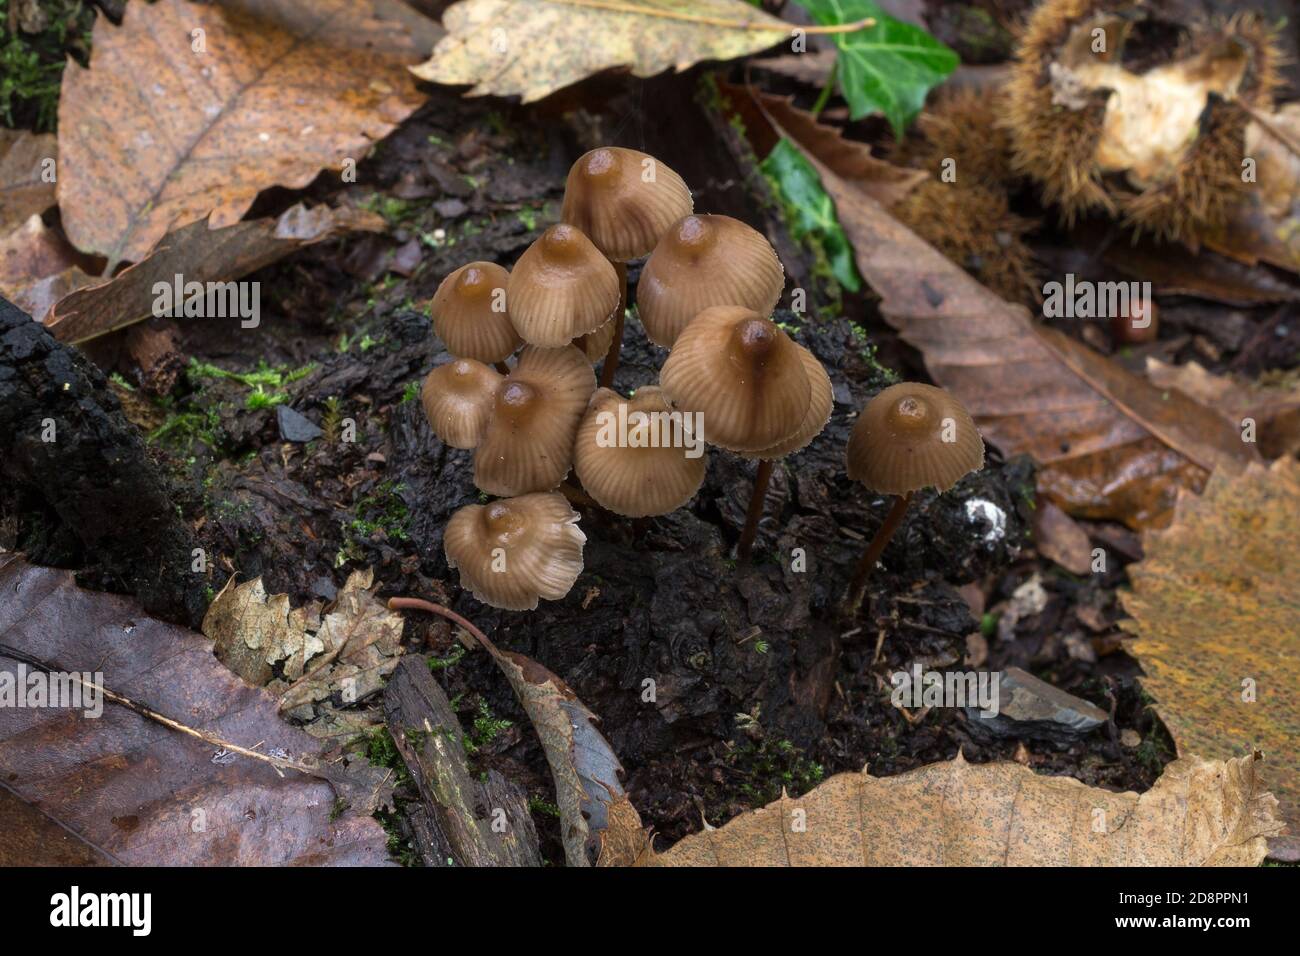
[(618, 7)]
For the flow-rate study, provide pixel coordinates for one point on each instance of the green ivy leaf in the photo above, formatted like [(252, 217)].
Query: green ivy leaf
[(809, 210), (888, 68)]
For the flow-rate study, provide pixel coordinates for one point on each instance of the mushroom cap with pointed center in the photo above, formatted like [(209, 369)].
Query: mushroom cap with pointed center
[(469, 313), (561, 288), (623, 199), (913, 436), (743, 374), (457, 399), (513, 552), (528, 443), (704, 261)]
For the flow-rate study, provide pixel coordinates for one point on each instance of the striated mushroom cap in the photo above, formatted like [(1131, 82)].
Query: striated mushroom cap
[(528, 445), (913, 436), (634, 455), (512, 552), (595, 345), (704, 261), (743, 374), (624, 200), (457, 399), (561, 288), (815, 419), (470, 316)]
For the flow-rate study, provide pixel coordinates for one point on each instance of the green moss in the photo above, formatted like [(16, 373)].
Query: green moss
[(543, 807), (31, 64), (484, 730), (451, 660), (772, 766)]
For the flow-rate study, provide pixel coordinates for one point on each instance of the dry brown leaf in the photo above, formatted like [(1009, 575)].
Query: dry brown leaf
[(155, 135), (1110, 445), (199, 254), (132, 790), (1216, 609), (1059, 538), (1175, 270), (531, 48), (813, 67), (1275, 408), (26, 188), (348, 650), (1199, 813), (38, 267)]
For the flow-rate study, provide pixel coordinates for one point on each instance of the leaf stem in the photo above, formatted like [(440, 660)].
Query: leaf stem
[(778, 27), (825, 94)]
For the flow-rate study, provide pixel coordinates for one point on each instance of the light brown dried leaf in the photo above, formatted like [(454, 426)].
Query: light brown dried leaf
[(24, 189)]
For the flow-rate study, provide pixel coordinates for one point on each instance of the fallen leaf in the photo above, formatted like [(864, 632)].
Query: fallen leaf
[(1109, 444), (1173, 269), (1059, 538), (531, 48), (1199, 813), (305, 655), (812, 67), (137, 791), (38, 266), (24, 189), (1275, 408), (199, 254), (169, 125), (1216, 611)]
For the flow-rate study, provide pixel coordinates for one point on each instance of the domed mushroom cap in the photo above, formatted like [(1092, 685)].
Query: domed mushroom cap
[(633, 455), (457, 399), (912, 436), (469, 313), (743, 374), (595, 345), (528, 445), (814, 420), (623, 200), (562, 287), (703, 261), (511, 553)]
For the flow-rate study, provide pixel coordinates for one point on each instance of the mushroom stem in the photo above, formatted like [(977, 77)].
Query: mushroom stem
[(419, 604), (866, 563), (756, 500), (616, 344), (502, 367), (577, 496)]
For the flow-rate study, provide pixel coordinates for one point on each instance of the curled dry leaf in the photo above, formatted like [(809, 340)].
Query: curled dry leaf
[(302, 654), (1110, 445), (1216, 611), (129, 788), (1199, 813), (531, 48), (200, 254), (38, 267), (191, 109), (26, 189)]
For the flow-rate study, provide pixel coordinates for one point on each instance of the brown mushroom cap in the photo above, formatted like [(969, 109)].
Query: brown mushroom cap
[(594, 345), (623, 200), (818, 414), (562, 287), (528, 445), (512, 552), (457, 399), (912, 436), (469, 313), (703, 261), (743, 373), (634, 464)]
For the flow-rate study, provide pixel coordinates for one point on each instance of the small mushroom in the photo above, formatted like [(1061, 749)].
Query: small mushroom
[(457, 399), (637, 456), (595, 345), (704, 261), (561, 288), (528, 444), (623, 200), (513, 552), (469, 313), (910, 436)]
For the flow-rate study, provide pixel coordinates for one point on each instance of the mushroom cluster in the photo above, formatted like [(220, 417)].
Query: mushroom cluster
[(520, 389)]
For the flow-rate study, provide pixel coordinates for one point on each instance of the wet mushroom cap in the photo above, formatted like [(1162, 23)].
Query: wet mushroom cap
[(913, 436), (624, 200), (513, 552), (704, 261), (594, 345), (457, 399), (818, 414), (561, 288), (743, 374), (528, 444), (631, 454), (469, 313)]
